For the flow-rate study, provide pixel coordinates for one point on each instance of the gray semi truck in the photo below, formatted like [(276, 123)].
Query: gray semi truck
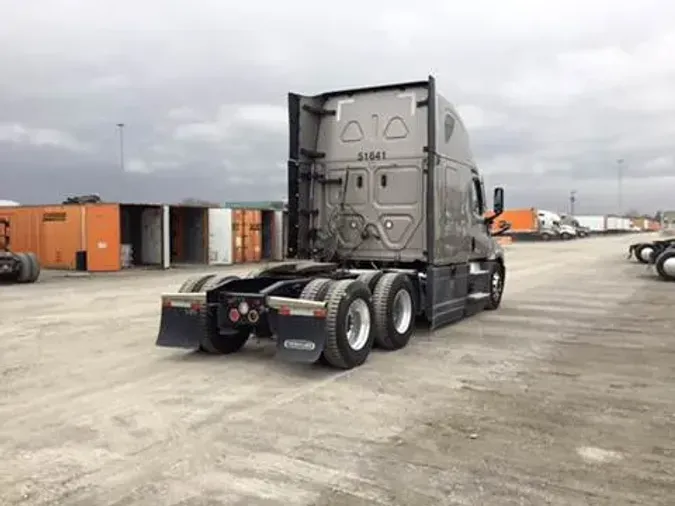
[(386, 225)]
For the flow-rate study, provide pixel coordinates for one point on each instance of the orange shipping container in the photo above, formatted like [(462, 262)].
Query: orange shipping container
[(61, 235), (24, 228), (103, 237), (246, 235)]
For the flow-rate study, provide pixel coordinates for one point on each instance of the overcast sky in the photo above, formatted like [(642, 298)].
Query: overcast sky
[(553, 92)]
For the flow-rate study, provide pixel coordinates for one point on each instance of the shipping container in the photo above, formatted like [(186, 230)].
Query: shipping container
[(220, 236), (62, 236), (246, 235), (189, 234), (144, 235), (595, 223), (102, 233), (25, 226)]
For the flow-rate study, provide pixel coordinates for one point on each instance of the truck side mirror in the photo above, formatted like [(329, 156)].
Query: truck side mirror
[(498, 200)]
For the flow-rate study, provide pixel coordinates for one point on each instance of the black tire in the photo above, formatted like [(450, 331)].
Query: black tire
[(25, 268), (338, 352), (35, 267), (496, 280), (639, 249), (565, 236), (216, 344), (194, 284), (213, 342), (217, 280), (371, 279), (390, 285), (316, 289), (668, 254), (545, 237)]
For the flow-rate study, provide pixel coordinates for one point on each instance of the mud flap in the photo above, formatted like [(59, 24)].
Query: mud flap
[(182, 322), (300, 338), (631, 250), (300, 328)]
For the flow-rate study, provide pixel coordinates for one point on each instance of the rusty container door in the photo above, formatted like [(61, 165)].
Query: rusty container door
[(238, 236), (103, 238), (253, 240)]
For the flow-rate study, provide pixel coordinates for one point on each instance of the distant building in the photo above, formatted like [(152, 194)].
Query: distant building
[(8, 203)]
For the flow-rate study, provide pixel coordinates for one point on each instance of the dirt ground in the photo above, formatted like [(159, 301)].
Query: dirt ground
[(563, 397)]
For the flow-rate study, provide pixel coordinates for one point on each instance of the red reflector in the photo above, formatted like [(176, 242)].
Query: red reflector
[(320, 313), (285, 311), (234, 315), (166, 303), (196, 306)]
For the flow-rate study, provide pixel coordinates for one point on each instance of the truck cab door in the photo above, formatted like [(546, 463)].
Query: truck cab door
[(481, 239)]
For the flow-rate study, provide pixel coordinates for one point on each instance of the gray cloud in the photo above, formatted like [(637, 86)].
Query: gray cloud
[(553, 92)]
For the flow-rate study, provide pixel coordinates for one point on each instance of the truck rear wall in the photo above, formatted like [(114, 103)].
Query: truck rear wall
[(372, 147)]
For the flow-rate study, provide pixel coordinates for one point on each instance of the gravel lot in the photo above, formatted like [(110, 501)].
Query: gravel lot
[(563, 397)]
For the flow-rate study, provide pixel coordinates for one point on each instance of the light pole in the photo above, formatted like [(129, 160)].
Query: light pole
[(573, 199), (619, 175), (120, 128)]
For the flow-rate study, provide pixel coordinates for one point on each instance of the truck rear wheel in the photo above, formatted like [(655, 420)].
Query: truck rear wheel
[(34, 266), (25, 268), (316, 289), (644, 253), (371, 279), (394, 308), (213, 342), (349, 330), (665, 265), (194, 284)]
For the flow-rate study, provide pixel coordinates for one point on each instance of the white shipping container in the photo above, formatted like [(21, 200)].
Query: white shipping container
[(613, 223), (220, 236), (594, 223)]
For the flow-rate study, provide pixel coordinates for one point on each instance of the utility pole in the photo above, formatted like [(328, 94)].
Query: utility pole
[(120, 128), (619, 175), (573, 199)]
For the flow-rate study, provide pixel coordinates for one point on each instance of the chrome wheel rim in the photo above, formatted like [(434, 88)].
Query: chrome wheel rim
[(646, 254), (497, 286), (358, 324), (669, 267), (402, 311)]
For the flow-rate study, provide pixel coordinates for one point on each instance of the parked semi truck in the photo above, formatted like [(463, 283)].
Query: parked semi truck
[(534, 224), (385, 224), (571, 222)]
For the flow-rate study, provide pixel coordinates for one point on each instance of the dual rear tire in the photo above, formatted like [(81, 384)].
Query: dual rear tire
[(665, 264), (29, 268), (212, 340), (375, 309)]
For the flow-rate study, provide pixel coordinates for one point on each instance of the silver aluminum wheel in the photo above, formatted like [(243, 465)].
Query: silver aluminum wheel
[(496, 285), (402, 309), (646, 254), (358, 324), (669, 267)]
